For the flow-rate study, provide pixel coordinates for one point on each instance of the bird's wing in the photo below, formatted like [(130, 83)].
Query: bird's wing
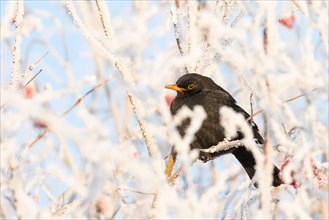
[(255, 129)]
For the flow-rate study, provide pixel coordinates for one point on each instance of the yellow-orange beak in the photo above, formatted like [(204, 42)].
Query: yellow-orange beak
[(174, 87)]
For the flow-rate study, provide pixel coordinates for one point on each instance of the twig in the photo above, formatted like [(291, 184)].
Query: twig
[(64, 209), (105, 18), (31, 67), (81, 98), (296, 97), (33, 78), (17, 45), (38, 137), (177, 36), (66, 112), (265, 40), (115, 212), (251, 110), (229, 6), (297, 5), (237, 18), (142, 127), (172, 178), (190, 22), (153, 206), (266, 141), (29, 70), (286, 101), (178, 42), (136, 191)]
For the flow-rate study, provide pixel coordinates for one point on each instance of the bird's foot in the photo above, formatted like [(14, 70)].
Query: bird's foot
[(205, 157)]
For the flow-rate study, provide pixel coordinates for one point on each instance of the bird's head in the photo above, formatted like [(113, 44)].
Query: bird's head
[(192, 83)]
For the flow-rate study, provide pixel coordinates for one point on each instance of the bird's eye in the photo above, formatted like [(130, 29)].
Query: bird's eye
[(190, 87)]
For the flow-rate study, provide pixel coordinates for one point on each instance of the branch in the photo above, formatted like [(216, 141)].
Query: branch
[(115, 61), (136, 191), (31, 67), (286, 101), (221, 146), (251, 110), (105, 18), (297, 6), (177, 36), (172, 179), (84, 96), (17, 45), (33, 78), (65, 209)]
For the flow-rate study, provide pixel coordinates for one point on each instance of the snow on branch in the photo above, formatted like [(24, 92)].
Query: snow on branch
[(224, 145), (121, 67), (17, 46)]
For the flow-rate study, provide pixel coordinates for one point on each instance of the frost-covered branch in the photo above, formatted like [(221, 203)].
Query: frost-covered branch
[(222, 146), (105, 18), (121, 67), (17, 45)]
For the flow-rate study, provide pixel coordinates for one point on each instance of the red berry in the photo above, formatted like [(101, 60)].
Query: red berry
[(287, 21), (169, 99), (28, 92)]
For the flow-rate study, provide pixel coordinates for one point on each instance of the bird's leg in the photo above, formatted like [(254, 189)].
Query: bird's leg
[(170, 164), (173, 177), (205, 157)]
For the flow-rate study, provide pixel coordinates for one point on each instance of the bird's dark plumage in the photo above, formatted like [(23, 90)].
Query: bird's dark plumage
[(194, 89)]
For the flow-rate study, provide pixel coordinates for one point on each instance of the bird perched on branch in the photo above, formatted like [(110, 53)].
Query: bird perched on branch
[(194, 89)]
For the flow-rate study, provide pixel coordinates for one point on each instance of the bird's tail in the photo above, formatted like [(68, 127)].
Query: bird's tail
[(247, 160)]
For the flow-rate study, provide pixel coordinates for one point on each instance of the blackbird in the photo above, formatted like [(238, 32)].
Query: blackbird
[(194, 89)]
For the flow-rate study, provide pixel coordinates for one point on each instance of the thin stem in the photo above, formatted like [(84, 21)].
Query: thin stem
[(33, 78), (297, 6), (66, 112), (286, 101), (105, 18), (31, 67), (177, 37), (136, 191), (172, 179), (251, 110)]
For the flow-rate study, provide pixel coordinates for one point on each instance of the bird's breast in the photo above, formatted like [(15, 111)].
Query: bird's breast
[(191, 101), (210, 132)]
